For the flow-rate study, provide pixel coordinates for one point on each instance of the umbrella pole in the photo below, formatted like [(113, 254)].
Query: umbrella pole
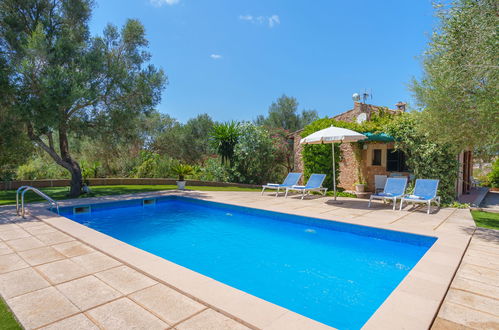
[(334, 173)]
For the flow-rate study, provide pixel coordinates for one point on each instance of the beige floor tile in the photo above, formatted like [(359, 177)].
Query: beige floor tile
[(168, 304), (13, 234), (26, 243), (88, 292), (95, 262), (210, 320), (8, 227), (29, 222), (4, 249), (62, 271), (10, 262), (38, 308), (443, 324), (40, 229), (481, 303), (73, 248), (125, 279), (20, 282), (124, 314), (55, 237), (489, 290), (77, 322), (41, 255), (468, 317)]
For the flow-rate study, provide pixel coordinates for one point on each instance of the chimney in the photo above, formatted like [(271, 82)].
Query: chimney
[(401, 106)]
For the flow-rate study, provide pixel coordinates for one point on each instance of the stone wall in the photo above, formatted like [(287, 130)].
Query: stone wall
[(10, 185), (297, 158)]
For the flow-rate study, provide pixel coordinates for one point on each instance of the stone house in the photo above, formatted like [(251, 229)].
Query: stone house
[(378, 154)]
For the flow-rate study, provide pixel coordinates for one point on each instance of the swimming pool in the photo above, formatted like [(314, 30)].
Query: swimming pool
[(333, 272)]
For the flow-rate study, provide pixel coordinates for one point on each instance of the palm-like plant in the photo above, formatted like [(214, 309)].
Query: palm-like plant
[(182, 170), (224, 138)]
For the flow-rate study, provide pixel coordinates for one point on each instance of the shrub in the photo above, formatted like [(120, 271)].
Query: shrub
[(425, 158), (38, 168), (152, 165), (213, 170), (255, 156), (493, 176)]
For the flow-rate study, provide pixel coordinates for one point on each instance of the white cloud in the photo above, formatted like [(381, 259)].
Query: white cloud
[(216, 56), (159, 3), (270, 20), (274, 20)]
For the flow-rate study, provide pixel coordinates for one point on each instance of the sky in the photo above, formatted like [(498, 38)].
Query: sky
[(233, 58)]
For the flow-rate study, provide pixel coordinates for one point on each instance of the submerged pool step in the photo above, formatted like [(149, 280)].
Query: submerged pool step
[(82, 209)]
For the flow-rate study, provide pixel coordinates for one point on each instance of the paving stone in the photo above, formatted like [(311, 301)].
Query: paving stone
[(73, 248), (124, 314), (125, 279), (40, 229), (38, 308), (210, 320), (20, 282), (13, 234), (10, 262), (61, 271), (41, 255), (95, 262), (88, 292), (443, 324), (468, 317), (26, 243), (489, 290), (481, 303), (5, 249), (168, 304), (77, 322), (55, 237), (8, 227)]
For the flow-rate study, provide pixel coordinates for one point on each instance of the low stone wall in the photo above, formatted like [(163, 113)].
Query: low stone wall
[(11, 185)]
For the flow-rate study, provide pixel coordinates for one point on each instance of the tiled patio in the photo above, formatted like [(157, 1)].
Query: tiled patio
[(472, 301), (54, 280)]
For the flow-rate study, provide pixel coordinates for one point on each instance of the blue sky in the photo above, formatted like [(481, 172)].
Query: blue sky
[(232, 58)]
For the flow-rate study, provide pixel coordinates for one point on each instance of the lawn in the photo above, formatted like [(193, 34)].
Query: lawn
[(59, 193), (486, 219), (7, 320)]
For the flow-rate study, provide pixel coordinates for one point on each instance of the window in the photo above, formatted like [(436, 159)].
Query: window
[(395, 161), (376, 157)]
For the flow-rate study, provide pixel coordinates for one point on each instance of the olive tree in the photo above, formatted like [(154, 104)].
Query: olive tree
[(63, 80)]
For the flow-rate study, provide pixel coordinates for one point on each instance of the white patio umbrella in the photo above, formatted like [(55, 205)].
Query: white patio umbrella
[(333, 135)]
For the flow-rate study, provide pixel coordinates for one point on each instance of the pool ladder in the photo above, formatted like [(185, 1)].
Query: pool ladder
[(23, 189)]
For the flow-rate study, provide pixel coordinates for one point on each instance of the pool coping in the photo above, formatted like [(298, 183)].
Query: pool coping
[(414, 303)]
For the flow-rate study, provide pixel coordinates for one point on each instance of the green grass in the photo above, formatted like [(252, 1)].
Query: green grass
[(59, 193), (486, 219), (7, 320)]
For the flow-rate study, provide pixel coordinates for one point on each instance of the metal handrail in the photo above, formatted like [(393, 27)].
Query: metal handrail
[(24, 189)]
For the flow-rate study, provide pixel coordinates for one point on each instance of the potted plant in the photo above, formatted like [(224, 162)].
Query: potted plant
[(360, 186), (182, 170)]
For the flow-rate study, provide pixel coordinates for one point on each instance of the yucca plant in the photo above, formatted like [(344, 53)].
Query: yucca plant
[(224, 138)]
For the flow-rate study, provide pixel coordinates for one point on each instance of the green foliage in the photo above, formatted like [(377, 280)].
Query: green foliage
[(7, 320), (65, 81), (38, 167), (224, 138), (182, 170), (426, 158), (188, 143), (459, 89), (493, 176), (153, 165), (213, 170), (284, 114), (254, 156)]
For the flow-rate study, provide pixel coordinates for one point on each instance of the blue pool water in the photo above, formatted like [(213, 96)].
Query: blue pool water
[(335, 273)]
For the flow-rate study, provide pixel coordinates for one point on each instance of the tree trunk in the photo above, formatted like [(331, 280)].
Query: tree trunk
[(76, 180), (73, 168)]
